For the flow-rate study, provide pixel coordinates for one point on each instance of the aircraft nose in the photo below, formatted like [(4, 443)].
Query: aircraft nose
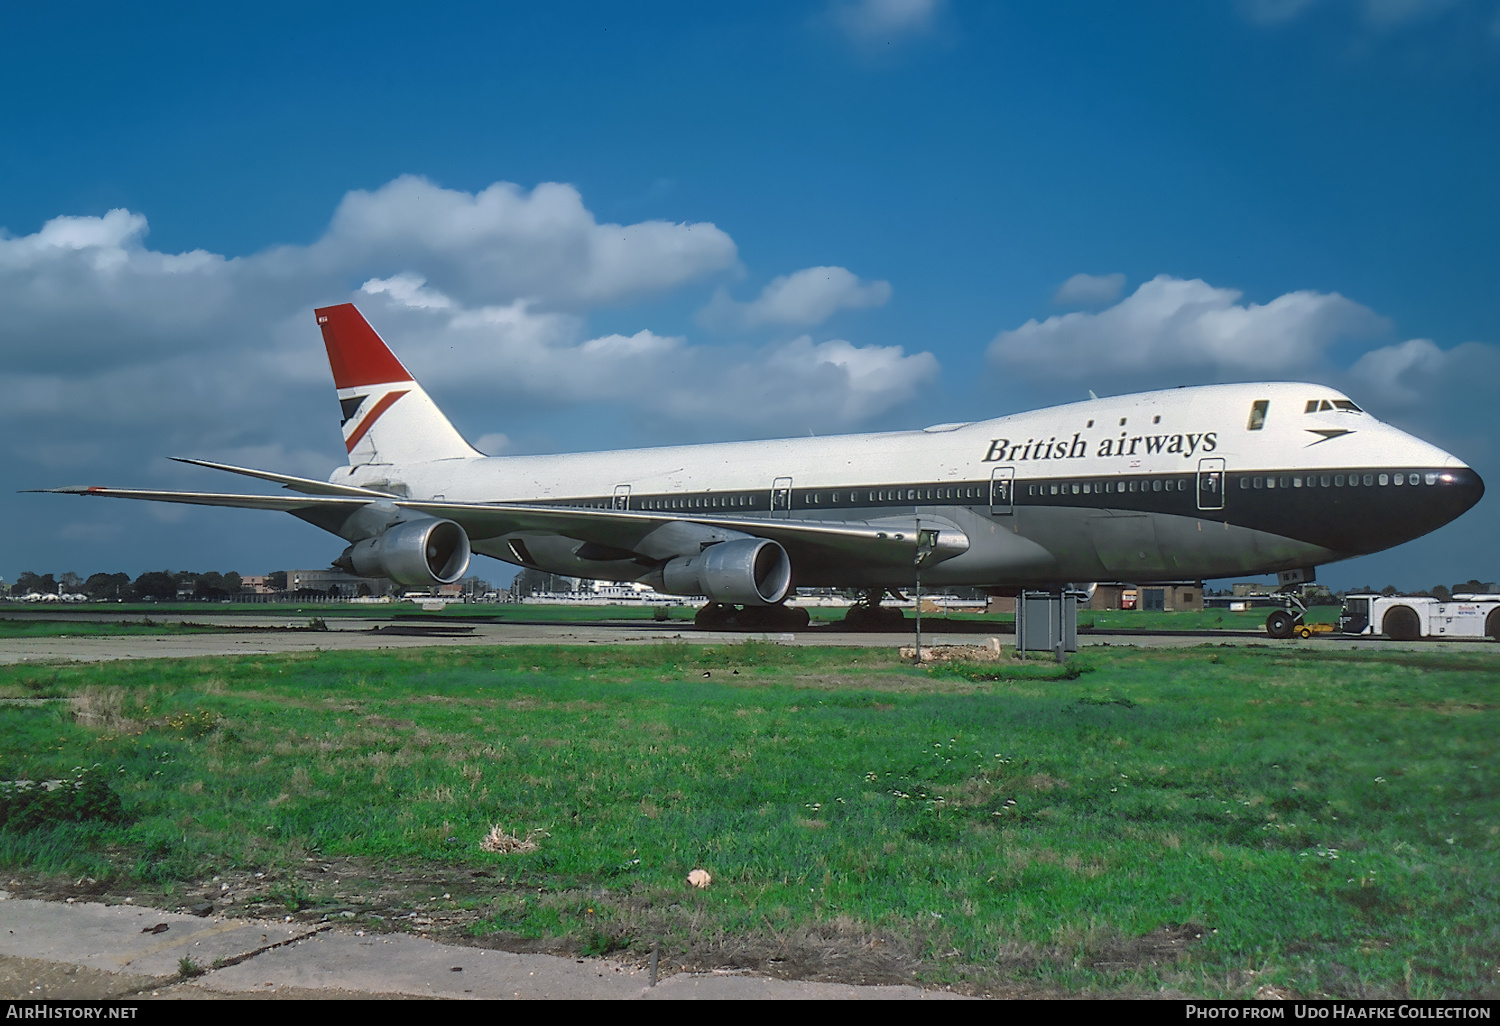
[(1467, 488)]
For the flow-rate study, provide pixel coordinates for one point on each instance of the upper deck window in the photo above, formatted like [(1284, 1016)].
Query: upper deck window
[(1346, 405), (1258, 414)]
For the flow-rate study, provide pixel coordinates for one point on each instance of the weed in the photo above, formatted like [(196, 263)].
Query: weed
[(86, 795)]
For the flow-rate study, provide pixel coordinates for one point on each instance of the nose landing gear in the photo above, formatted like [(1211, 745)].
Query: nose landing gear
[(1283, 623)]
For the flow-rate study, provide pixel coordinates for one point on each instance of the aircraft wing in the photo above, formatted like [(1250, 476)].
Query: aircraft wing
[(892, 541)]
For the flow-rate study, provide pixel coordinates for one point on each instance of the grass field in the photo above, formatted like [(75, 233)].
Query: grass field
[(1211, 820), (173, 617), (97, 628)]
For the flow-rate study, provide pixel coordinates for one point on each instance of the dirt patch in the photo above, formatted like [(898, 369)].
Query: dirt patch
[(1162, 946), (449, 904), (38, 980)]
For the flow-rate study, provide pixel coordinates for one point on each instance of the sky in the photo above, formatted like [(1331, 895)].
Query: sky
[(600, 225)]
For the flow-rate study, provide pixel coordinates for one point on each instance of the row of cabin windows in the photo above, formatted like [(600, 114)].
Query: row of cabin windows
[(906, 494), (694, 502), (816, 498), (1118, 487), (1336, 480), (1135, 484)]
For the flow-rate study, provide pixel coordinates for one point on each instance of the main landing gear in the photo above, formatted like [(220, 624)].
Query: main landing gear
[(726, 617), (869, 615)]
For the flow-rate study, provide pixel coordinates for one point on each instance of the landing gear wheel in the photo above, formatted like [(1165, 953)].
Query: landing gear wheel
[(874, 618), (772, 618), (723, 616), (1280, 624), (1400, 623), (714, 615)]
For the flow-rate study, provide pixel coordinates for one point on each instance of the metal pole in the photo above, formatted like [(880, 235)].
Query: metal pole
[(919, 617)]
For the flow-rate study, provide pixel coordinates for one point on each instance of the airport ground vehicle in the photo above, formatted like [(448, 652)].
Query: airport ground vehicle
[(1408, 618)]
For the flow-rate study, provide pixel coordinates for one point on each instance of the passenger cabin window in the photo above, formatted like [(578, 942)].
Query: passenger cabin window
[(1258, 414)]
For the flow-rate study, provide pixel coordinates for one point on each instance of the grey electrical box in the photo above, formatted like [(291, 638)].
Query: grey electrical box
[(1045, 619)]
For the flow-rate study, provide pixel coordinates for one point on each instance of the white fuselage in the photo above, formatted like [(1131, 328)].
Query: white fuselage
[(1067, 493)]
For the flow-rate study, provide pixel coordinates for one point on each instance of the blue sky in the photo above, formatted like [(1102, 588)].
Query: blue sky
[(593, 225)]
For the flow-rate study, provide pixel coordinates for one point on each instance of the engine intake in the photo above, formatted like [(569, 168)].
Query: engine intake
[(417, 554), (748, 572)]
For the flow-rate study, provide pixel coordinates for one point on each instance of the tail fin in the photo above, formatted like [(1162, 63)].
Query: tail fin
[(388, 418)]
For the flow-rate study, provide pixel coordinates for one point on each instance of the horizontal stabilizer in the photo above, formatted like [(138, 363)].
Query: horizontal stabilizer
[(306, 485)]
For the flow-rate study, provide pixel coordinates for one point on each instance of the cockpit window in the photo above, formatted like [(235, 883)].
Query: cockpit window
[(1258, 414), (1323, 406)]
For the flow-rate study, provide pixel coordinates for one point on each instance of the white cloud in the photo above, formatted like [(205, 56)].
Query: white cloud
[(504, 243), (802, 384), (409, 290), (1089, 290), (874, 20), (804, 298), (516, 351), (1418, 370), (113, 355), (1172, 324)]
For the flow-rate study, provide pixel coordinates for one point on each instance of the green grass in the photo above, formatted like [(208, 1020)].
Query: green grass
[(1193, 619), (1325, 819), (97, 628), (152, 614)]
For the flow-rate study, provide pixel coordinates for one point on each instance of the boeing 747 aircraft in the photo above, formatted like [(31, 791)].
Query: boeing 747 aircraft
[(1192, 483)]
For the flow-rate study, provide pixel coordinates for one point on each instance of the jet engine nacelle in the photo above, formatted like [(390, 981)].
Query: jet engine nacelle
[(747, 572), (417, 554)]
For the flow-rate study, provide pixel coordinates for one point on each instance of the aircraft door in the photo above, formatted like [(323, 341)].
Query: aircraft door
[(1002, 491), (1211, 483), (781, 497), (622, 497)]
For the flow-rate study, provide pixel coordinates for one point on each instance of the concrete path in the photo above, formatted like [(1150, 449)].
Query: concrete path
[(84, 950), (348, 634)]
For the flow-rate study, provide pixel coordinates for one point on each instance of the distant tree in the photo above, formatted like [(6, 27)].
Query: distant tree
[(1442, 594), (1390, 590), (233, 584), (276, 580), (529, 582), (1473, 587), (28, 583), (107, 586), (209, 585), (70, 583), (156, 586)]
